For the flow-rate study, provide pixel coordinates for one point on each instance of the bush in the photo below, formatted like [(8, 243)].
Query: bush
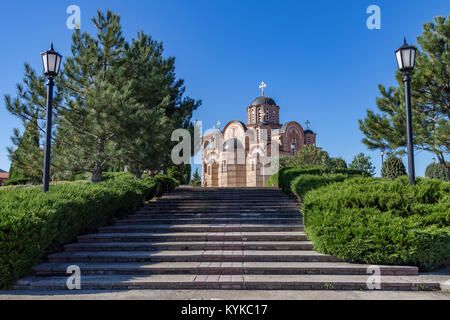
[(393, 168), (309, 155), (17, 181), (436, 171), (181, 173), (33, 224), (377, 221), (286, 176)]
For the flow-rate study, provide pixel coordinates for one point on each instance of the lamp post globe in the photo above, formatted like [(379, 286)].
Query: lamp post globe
[(293, 147), (406, 59), (382, 156), (51, 63)]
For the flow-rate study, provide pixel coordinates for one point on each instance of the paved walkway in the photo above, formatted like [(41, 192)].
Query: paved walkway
[(227, 295)]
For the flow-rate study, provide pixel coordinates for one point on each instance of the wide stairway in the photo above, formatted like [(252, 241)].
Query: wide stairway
[(196, 238)]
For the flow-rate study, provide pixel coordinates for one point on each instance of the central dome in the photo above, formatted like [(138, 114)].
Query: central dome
[(264, 100)]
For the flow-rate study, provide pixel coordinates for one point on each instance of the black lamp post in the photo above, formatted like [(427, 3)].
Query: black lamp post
[(51, 62), (406, 57), (382, 156)]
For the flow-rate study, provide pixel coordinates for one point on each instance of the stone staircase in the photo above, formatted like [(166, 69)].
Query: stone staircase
[(196, 238)]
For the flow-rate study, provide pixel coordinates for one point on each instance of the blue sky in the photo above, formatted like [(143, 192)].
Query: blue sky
[(319, 59)]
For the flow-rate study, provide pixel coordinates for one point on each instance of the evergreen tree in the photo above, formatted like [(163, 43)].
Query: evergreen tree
[(115, 104), (196, 180), (362, 162), (430, 100), (159, 106), (181, 173), (27, 157), (309, 156), (337, 163)]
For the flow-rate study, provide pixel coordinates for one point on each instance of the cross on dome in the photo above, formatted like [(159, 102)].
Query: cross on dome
[(262, 86), (307, 124)]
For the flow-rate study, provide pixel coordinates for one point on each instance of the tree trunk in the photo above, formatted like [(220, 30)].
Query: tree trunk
[(97, 172), (445, 165)]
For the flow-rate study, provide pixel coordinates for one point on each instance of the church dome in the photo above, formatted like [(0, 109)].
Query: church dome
[(308, 131), (264, 100)]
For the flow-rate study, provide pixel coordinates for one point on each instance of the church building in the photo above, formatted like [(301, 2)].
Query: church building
[(233, 157)]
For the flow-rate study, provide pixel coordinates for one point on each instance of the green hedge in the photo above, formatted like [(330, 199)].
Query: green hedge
[(33, 224), (288, 179), (377, 221)]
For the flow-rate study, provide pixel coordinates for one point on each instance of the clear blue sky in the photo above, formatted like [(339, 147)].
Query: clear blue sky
[(320, 61)]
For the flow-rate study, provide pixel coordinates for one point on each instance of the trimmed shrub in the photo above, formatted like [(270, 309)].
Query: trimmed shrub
[(377, 221), (285, 176), (33, 224), (393, 168), (17, 182), (436, 171)]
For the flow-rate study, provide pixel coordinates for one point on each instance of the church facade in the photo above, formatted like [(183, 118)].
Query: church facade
[(241, 154)]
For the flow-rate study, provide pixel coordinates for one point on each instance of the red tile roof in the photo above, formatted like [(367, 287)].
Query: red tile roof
[(4, 175)]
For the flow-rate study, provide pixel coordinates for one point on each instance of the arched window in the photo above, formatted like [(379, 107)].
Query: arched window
[(274, 116), (267, 115), (224, 166), (259, 115), (253, 115)]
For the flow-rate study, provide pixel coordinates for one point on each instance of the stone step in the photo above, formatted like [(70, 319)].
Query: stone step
[(223, 204), (248, 282), (194, 236), (160, 220), (190, 245), (329, 268), (202, 228), (192, 255), (162, 215), (223, 212), (237, 201)]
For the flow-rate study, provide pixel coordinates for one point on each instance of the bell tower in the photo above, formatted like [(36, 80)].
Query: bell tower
[(263, 111)]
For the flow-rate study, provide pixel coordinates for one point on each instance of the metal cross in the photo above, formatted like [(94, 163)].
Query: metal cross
[(307, 124), (262, 86)]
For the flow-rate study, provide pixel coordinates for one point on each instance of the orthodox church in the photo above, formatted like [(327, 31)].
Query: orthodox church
[(240, 154)]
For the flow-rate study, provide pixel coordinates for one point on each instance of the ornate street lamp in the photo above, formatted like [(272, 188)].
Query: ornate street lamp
[(51, 62), (382, 156), (406, 59)]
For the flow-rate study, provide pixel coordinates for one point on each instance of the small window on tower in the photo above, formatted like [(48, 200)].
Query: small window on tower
[(224, 166), (267, 115), (253, 116), (274, 116)]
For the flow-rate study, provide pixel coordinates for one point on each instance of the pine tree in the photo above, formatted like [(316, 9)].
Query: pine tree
[(310, 156), (159, 106), (430, 100), (196, 180), (27, 157), (362, 162), (115, 104)]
